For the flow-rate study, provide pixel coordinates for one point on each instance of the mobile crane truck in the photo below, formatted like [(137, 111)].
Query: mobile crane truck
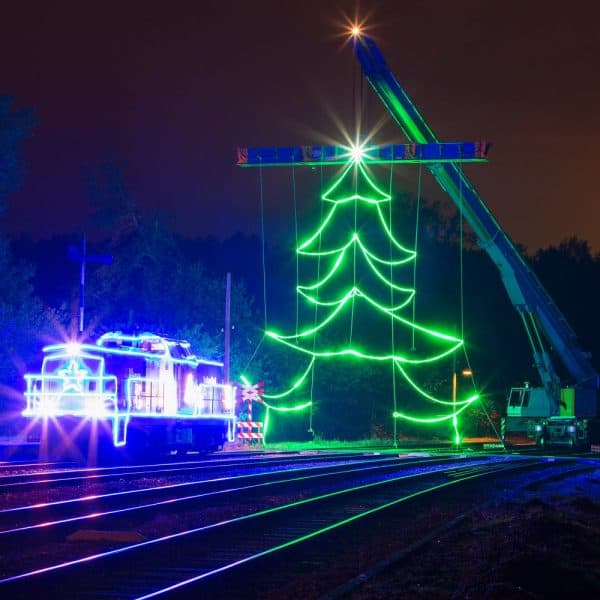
[(555, 412)]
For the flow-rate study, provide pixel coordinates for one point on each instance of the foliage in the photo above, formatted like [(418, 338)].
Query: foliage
[(113, 208), (21, 321), (571, 274), (152, 285), (321, 443), (21, 315), (161, 282)]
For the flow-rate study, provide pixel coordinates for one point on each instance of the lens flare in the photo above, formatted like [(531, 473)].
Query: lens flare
[(357, 152)]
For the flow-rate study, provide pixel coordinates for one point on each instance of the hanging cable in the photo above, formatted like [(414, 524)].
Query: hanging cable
[(312, 381), (296, 246), (462, 289), (485, 412), (357, 112), (354, 117), (262, 236), (263, 246), (418, 211), (394, 394), (263, 261), (262, 339), (354, 257), (461, 293), (363, 106), (462, 304)]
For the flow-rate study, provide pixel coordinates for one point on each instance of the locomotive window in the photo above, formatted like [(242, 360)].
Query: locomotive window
[(152, 347), (179, 351)]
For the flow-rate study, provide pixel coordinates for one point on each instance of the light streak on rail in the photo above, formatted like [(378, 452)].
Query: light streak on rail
[(438, 468), (497, 464), (185, 484), (195, 466)]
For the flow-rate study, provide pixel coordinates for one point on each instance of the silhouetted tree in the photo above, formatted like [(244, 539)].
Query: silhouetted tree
[(21, 319), (154, 285), (21, 315), (571, 274), (113, 208)]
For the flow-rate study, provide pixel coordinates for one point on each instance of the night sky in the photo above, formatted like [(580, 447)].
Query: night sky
[(170, 89)]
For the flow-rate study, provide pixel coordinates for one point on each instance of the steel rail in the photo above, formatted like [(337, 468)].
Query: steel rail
[(397, 558), (151, 554), (69, 512), (327, 528), (264, 568), (104, 473)]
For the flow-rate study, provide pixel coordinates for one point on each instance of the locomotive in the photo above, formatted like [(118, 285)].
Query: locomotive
[(129, 394)]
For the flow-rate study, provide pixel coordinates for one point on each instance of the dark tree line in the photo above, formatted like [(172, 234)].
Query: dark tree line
[(161, 282), (21, 309)]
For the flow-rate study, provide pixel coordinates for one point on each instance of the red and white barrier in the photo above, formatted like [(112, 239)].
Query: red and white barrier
[(250, 430)]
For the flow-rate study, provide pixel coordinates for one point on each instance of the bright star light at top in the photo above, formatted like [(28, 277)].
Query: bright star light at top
[(357, 153)]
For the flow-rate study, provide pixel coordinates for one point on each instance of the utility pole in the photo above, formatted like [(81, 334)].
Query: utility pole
[(227, 326), (82, 281), (82, 257)]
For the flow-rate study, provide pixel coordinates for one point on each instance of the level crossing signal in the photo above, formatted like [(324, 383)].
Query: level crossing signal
[(251, 392)]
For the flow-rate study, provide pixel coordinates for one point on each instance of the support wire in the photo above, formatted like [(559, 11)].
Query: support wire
[(462, 308), (418, 212), (296, 246), (312, 381), (394, 393), (262, 237)]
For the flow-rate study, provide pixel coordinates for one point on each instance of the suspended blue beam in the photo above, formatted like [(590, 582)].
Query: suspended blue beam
[(272, 156)]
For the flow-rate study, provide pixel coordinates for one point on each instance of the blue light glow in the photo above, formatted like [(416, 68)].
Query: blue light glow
[(158, 378)]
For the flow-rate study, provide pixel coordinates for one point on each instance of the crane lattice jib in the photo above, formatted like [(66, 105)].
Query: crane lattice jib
[(525, 291)]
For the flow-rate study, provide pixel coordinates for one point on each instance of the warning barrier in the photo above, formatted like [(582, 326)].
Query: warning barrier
[(249, 431)]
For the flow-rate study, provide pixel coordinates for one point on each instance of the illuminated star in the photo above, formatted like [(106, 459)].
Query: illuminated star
[(73, 376)]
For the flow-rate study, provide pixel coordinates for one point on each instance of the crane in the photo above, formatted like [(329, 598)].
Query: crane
[(545, 325)]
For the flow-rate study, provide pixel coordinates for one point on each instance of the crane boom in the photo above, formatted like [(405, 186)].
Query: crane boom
[(540, 316)]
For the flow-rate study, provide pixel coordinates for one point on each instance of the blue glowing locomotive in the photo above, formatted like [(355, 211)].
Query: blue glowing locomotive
[(137, 393)]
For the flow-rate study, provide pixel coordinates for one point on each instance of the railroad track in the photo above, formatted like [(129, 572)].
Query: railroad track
[(58, 518), (336, 506), (69, 475)]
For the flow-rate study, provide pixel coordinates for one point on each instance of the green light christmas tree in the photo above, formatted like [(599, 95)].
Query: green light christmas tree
[(356, 298)]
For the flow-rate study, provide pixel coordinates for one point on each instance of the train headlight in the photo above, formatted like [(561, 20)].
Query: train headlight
[(571, 428), (538, 427), (96, 407), (47, 406), (73, 349)]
